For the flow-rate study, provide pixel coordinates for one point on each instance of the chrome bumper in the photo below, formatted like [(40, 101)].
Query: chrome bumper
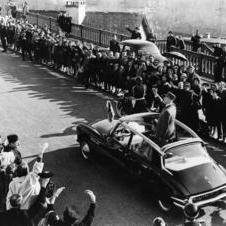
[(181, 203)]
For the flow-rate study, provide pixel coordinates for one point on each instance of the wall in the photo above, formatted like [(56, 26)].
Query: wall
[(178, 15)]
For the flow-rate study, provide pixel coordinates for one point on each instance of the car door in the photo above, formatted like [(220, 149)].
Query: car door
[(143, 159), (95, 139)]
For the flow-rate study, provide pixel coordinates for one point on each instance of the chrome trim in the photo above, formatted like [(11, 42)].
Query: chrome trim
[(164, 168), (183, 126), (178, 205), (181, 142), (179, 200), (206, 193), (208, 201), (181, 203)]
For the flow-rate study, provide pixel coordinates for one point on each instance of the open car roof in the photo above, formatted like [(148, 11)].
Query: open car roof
[(148, 116)]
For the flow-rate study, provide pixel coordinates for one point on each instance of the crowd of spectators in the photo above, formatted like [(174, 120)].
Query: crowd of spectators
[(114, 71), (200, 105), (174, 41), (27, 196)]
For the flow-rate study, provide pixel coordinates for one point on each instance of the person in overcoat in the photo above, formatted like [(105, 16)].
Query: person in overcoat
[(165, 129)]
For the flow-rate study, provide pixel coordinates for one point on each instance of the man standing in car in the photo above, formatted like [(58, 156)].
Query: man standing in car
[(165, 130)]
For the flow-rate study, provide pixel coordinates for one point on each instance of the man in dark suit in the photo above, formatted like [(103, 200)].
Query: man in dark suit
[(165, 130), (170, 41)]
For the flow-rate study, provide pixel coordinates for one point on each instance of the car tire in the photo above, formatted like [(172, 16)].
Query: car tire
[(85, 150), (165, 204)]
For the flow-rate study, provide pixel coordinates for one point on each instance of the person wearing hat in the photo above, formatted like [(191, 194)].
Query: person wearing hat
[(165, 130)]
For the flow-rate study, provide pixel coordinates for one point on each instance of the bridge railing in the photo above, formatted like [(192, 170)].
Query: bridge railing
[(84, 33), (204, 64), (203, 61)]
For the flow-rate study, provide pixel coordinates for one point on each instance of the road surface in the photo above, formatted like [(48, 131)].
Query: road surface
[(43, 106)]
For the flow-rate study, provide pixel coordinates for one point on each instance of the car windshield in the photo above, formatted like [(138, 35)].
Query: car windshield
[(105, 126), (186, 156), (146, 128)]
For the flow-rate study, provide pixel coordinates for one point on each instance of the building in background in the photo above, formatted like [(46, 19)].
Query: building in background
[(76, 10), (183, 16), (109, 21)]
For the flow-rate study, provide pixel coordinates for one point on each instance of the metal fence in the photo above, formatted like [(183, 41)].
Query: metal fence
[(84, 33), (203, 61)]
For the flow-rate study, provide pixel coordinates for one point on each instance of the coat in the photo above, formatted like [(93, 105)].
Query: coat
[(165, 129), (19, 217), (27, 186)]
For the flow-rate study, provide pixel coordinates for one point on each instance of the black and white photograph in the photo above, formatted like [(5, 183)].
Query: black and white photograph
[(113, 112)]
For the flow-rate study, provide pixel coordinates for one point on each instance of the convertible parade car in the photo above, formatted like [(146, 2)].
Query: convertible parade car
[(182, 171)]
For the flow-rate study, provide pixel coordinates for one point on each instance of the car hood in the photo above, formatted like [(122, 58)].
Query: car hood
[(201, 178)]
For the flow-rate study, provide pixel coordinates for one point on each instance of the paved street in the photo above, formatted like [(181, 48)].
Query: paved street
[(43, 106)]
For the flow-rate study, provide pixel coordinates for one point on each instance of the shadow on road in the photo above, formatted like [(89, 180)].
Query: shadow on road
[(71, 130), (43, 84), (122, 200)]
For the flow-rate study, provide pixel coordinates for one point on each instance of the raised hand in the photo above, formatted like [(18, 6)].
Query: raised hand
[(44, 147), (91, 196), (56, 194)]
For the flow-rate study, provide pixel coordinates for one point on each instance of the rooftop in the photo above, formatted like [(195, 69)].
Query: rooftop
[(109, 21), (113, 21)]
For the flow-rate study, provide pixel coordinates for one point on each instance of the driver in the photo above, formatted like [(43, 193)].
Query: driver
[(165, 130)]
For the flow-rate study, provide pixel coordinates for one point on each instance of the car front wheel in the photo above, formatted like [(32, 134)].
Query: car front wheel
[(85, 150)]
